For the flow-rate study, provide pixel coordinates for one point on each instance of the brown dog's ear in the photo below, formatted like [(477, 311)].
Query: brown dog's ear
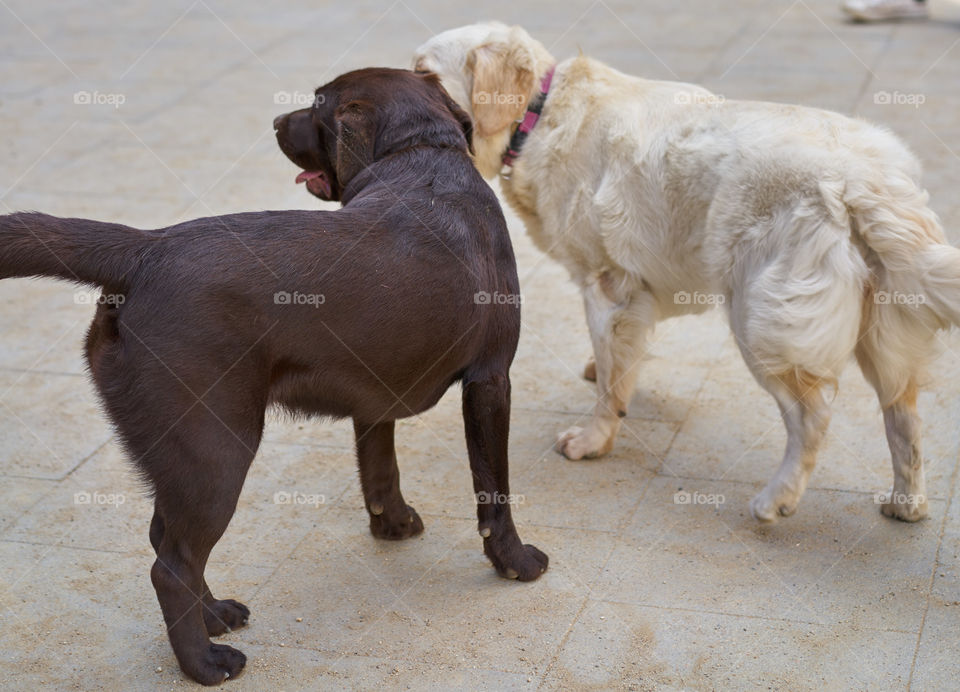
[(503, 77), (466, 124), (356, 134)]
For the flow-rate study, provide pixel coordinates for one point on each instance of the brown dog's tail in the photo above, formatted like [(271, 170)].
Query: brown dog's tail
[(90, 252)]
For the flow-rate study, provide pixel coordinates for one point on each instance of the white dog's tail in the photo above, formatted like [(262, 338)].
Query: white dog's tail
[(920, 270), (940, 266)]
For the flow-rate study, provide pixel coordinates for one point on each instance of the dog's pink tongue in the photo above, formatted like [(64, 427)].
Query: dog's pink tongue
[(307, 175), (316, 182)]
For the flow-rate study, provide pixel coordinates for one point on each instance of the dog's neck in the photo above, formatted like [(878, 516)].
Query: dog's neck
[(402, 174), (523, 129), (490, 151)]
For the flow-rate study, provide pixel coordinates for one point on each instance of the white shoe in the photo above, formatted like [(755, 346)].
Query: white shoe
[(879, 10)]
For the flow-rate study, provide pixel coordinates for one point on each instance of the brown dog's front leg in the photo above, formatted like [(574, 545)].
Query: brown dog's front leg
[(390, 516), (486, 419)]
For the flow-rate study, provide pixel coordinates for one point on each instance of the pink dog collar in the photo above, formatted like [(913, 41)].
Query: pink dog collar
[(529, 121)]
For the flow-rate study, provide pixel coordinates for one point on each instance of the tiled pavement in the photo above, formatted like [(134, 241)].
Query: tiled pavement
[(642, 592)]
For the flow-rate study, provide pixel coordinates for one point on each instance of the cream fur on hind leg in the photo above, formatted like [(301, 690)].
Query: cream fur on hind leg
[(806, 415), (907, 500)]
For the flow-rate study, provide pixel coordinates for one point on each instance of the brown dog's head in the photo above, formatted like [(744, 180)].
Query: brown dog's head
[(363, 116)]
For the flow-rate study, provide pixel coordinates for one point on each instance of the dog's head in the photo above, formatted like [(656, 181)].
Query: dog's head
[(363, 116), (493, 71)]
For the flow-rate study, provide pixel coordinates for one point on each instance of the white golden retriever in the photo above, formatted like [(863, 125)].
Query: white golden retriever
[(661, 199)]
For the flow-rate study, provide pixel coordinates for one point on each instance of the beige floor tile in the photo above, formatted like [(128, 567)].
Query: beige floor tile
[(837, 560), (621, 646), (51, 423), (433, 599)]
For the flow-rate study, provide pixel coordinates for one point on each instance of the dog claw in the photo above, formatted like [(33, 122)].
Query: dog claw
[(376, 509), (512, 573), (485, 532)]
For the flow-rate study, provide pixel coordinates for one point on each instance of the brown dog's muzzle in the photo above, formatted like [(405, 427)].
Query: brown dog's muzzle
[(298, 139)]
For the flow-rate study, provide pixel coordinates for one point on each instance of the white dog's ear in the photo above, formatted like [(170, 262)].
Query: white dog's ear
[(503, 78)]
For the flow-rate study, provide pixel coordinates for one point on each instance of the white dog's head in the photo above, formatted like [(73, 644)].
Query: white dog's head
[(491, 70)]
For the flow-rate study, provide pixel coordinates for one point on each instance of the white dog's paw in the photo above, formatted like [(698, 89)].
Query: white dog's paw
[(583, 443), (903, 506), (590, 371), (768, 507)]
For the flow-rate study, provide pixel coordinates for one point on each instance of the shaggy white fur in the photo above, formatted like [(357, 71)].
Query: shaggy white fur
[(661, 199)]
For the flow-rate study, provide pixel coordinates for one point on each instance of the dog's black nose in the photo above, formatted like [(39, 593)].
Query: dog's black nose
[(278, 121)]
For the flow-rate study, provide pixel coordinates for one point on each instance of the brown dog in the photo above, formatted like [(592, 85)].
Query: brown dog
[(369, 312)]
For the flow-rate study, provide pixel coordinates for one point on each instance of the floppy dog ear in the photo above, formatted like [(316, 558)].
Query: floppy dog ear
[(503, 77), (356, 134), (466, 124)]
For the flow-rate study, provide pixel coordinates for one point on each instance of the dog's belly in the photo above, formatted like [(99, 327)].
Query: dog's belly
[(363, 395)]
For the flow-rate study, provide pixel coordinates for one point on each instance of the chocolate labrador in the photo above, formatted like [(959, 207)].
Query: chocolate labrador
[(370, 312)]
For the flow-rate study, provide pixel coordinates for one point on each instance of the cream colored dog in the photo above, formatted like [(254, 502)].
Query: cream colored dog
[(661, 199)]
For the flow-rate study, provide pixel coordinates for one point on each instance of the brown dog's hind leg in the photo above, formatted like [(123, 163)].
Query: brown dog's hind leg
[(220, 616), (194, 509), (197, 465), (486, 419), (390, 517)]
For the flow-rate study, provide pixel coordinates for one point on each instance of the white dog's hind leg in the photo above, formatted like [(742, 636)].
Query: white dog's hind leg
[(617, 329), (886, 366), (908, 499), (806, 415)]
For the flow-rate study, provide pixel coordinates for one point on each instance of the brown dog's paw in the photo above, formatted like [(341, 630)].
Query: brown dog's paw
[(391, 529), (524, 563), (224, 616), (216, 664)]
